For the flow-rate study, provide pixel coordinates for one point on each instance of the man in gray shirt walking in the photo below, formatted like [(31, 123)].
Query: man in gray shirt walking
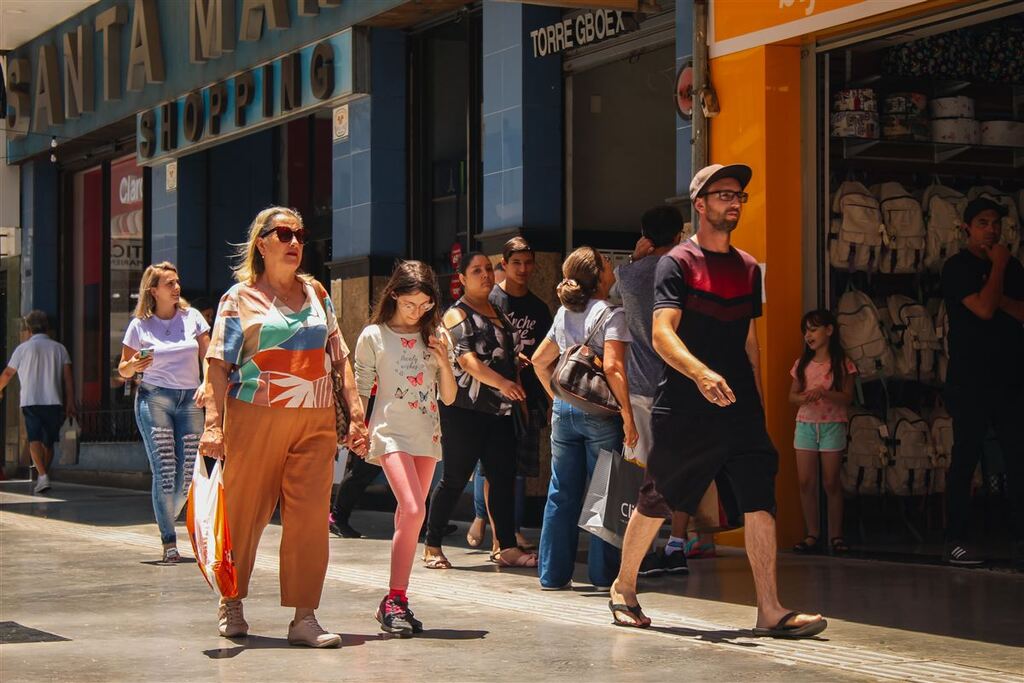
[(44, 368)]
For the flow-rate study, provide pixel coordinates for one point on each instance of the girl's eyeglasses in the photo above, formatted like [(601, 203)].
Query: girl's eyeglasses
[(286, 234), (409, 307)]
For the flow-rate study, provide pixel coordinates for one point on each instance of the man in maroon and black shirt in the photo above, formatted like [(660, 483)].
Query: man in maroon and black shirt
[(708, 416)]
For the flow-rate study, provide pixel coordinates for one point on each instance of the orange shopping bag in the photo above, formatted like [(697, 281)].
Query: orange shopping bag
[(207, 523)]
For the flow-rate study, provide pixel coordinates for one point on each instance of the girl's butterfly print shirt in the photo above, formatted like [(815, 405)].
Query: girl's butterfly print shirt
[(404, 416)]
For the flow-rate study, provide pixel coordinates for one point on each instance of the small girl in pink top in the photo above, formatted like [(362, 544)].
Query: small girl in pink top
[(823, 388)]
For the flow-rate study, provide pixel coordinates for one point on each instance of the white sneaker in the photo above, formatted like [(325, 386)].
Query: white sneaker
[(42, 484), (310, 633)]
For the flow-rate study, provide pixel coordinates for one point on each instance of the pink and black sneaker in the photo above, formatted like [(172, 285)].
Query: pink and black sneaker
[(395, 617)]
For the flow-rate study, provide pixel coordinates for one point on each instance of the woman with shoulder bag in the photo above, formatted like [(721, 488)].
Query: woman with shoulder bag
[(578, 436), (270, 414), (479, 425), (165, 341)]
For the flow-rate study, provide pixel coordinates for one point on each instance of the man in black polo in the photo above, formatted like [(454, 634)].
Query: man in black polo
[(983, 287), (708, 417)]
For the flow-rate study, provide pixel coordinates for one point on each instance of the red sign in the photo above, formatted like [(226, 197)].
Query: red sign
[(455, 286), (456, 256)]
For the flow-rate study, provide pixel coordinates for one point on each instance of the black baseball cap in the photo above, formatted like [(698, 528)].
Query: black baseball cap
[(976, 206)]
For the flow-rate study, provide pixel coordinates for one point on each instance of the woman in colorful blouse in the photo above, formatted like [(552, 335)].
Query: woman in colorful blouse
[(270, 415), (478, 425), (399, 352)]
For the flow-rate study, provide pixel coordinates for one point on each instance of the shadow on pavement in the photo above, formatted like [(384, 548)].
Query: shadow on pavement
[(267, 643), (452, 634)]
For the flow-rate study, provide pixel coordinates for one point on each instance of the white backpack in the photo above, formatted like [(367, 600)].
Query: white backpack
[(910, 469), (942, 334), (941, 428), (903, 246), (860, 332), (855, 229), (1011, 236), (913, 339), (944, 211), (863, 470)]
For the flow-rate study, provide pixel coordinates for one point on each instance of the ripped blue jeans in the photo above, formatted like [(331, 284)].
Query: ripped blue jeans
[(171, 425)]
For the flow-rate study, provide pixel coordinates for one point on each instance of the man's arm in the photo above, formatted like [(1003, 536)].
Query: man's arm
[(6, 376), (69, 392), (1014, 307), (985, 303), (753, 350), (674, 352)]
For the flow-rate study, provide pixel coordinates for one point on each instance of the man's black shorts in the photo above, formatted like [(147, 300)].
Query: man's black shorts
[(690, 451), (43, 423)]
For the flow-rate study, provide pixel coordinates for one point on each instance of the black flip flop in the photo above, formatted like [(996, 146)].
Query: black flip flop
[(781, 630), (635, 610)]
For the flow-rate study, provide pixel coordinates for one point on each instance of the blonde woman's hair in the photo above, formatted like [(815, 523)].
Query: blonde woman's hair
[(249, 263), (146, 305), (581, 273)]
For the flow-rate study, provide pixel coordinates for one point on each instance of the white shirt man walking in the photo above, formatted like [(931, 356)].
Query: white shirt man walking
[(43, 366)]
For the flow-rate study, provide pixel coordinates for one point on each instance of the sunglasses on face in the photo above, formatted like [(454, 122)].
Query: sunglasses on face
[(729, 195), (285, 234)]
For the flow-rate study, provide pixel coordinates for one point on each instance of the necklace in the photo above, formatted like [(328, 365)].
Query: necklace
[(286, 299), (167, 324)]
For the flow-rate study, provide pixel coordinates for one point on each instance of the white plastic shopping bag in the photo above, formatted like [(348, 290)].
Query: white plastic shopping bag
[(207, 523), (67, 442)]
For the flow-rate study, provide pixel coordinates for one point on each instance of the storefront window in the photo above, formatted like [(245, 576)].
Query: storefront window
[(87, 287), (126, 262)]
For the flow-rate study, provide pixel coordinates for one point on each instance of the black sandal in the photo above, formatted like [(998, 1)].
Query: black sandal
[(633, 610), (839, 546), (805, 547)]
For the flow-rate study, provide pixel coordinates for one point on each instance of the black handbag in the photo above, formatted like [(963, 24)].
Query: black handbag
[(579, 378)]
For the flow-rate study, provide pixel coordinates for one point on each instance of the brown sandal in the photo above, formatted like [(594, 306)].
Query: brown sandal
[(525, 560), (436, 562)]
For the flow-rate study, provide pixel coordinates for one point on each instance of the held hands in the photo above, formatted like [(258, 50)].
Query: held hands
[(714, 388), (211, 444), (998, 254), (512, 390), (357, 440)]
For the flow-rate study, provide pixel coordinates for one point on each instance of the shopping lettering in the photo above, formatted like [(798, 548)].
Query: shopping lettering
[(583, 29)]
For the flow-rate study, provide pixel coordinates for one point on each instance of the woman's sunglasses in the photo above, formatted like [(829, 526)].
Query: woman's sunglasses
[(286, 234)]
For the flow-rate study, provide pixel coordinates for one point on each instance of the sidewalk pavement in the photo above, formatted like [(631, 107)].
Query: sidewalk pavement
[(84, 598)]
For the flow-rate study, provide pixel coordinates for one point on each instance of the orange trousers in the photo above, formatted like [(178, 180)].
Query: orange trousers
[(286, 455)]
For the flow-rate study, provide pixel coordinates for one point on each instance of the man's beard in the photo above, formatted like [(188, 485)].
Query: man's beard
[(722, 224)]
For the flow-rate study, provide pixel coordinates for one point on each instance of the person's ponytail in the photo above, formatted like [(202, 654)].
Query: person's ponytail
[(582, 274)]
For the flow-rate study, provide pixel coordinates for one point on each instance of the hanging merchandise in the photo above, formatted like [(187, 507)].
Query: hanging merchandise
[(862, 337), (1002, 133), (856, 228), (909, 471), (904, 238), (940, 426), (942, 334), (944, 212), (912, 338), (864, 464)]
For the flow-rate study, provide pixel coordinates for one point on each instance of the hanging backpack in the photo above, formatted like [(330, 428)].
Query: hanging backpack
[(942, 334), (912, 337), (1011, 233), (863, 470), (903, 245), (910, 467), (855, 229), (940, 426), (862, 337), (944, 216)]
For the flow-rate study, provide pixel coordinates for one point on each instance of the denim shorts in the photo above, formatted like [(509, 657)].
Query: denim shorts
[(827, 437)]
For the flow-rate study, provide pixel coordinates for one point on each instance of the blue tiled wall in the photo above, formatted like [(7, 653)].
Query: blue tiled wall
[(684, 129), (369, 167), (39, 221), (522, 121)]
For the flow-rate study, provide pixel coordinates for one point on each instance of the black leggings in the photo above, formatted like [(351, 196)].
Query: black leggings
[(466, 437)]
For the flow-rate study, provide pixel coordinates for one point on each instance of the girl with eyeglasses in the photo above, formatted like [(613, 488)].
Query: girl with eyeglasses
[(401, 353), (270, 414)]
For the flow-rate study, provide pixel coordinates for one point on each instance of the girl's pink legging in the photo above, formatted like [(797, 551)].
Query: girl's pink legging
[(409, 477)]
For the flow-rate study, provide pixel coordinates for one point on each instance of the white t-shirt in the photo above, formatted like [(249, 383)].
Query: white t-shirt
[(40, 364), (174, 346), (572, 327)]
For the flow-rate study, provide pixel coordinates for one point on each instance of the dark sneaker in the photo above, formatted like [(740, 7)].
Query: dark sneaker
[(344, 530), (393, 615), (417, 625), (653, 565), (675, 563), (958, 555)]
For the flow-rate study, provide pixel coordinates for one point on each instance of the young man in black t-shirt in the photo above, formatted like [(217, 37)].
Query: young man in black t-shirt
[(983, 287), (531, 319), (708, 419)]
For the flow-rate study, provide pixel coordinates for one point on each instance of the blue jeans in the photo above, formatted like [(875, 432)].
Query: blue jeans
[(171, 425), (480, 502), (576, 440)]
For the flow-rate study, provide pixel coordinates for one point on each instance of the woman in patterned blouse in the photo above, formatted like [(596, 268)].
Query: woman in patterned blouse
[(270, 416)]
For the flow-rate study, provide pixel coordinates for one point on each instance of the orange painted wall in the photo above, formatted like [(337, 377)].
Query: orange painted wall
[(759, 125)]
